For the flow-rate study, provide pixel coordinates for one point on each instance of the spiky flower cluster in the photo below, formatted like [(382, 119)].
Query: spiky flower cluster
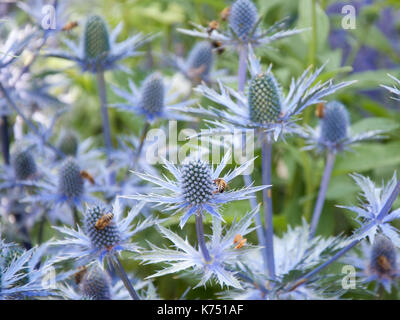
[(243, 18), (70, 181), (197, 183), (95, 284), (68, 143), (96, 38), (24, 164), (335, 123), (264, 98), (152, 94), (107, 237)]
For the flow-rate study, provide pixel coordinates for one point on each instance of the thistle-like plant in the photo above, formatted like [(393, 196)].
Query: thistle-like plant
[(223, 253), (333, 136), (394, 90), (374, 213), (194, 191), (20, 276), (106, 241), (244, 28), (377, 263), (295, 254)]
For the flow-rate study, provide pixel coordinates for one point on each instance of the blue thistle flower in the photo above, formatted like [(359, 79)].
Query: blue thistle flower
[(100, 238), (244, 28), (194, 191), (99, 49), (24, 164), (68, 143), (374, 214), (376, 262), (70, 181), (334, 123), (95, 284), (85, 246), (152, 101), (243, 18), (265, 108), (199, 62), (334, 132)]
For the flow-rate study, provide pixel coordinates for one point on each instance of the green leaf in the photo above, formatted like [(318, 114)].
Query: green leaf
[(370, 124)]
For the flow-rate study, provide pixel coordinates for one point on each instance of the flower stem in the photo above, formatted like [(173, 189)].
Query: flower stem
[(104, 111), (12, 104), (267, 204), (247, 178), (122, 274), (200, 237), (141, 143), (242, 68), (330, 161), (5, 139)]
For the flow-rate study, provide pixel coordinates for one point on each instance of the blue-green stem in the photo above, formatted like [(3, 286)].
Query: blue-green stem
[(200, 236), (5, 139), (247, 178), (124, 277), (266, 150), (330, 161), (104, 111)]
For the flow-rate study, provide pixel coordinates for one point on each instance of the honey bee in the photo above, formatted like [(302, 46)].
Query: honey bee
[(213, 25), (79, 275), (240, 241), (225, 13), (218, 45), (70, 25), (86, 175), (319, 112), (384, 263), (104, 221), (221, 185)]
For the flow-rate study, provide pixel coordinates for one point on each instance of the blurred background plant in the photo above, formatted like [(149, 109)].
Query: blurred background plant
[(365, 54)]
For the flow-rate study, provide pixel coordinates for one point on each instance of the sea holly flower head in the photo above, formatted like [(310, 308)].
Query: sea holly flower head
[(99, 49), (377, 263), (195, 189), (105, 233), (369, 213), (153, 100), (265, 107), (334, 132), (223, 251), (244, 28)]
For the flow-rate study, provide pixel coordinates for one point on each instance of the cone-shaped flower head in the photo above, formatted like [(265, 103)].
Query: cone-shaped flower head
[(335, 123), (199, 62), (23, 164), (70, 181), (197, 182), (243, 17), (383, 258), (152, 94), (68, 143), (101, 238), (96, 40), (96, 284), (264, 99)]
